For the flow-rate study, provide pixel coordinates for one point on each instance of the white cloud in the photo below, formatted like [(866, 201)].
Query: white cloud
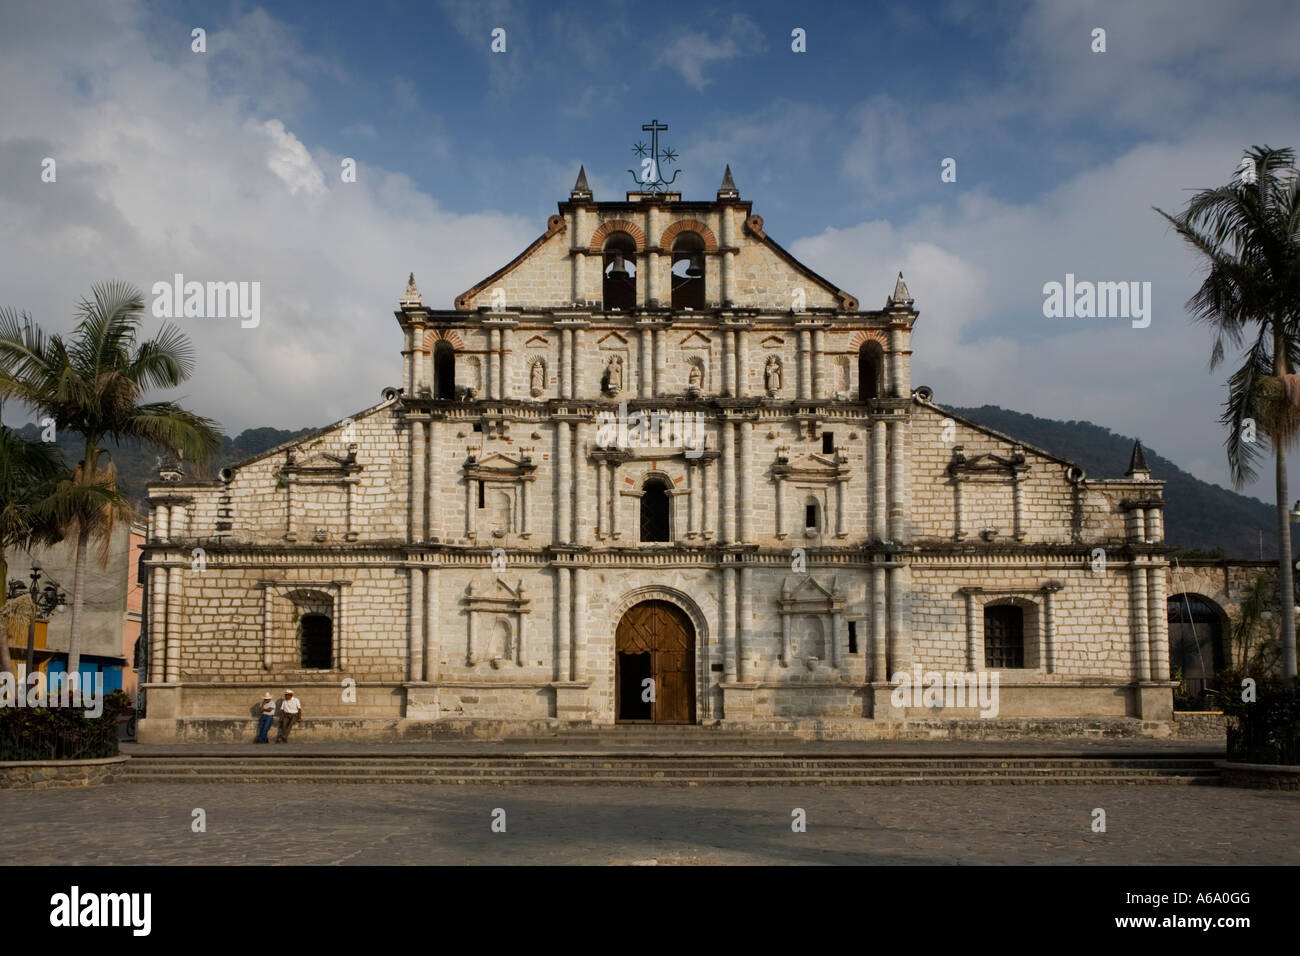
[(162, 169), (691, 52)]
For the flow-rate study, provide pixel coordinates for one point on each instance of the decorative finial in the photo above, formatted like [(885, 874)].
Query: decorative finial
[(728, 188), (412, 295), (651, 180), (901, 296), (1137, 463), (580, 189)]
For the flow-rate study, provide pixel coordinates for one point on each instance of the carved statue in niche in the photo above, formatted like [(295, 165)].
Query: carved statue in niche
[(772, 375), (611, 383), (537, 378), (696, 380)]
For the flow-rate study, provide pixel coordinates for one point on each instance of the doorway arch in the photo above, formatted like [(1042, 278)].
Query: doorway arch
[(655, 642)]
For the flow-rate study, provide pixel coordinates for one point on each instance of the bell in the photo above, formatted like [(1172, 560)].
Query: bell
[(696, 269), (618, 268)]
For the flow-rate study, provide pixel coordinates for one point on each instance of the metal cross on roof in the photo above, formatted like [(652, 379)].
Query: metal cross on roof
[(651, 180)]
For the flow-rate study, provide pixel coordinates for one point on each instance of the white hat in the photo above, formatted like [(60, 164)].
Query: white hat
[(289, 692), (266, 696)]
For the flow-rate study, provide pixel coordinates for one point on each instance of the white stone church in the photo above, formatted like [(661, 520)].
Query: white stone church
[(653, 469)]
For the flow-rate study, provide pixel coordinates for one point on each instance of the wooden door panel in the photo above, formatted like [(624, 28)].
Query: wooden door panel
[(662, 630)]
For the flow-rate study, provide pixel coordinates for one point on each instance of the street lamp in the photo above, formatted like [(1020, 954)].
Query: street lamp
[(44, 600)]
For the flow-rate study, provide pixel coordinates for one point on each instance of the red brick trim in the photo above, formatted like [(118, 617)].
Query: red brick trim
[(689, 225), (597, 244)]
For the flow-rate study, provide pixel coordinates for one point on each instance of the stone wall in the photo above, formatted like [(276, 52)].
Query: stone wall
[(59, 774)]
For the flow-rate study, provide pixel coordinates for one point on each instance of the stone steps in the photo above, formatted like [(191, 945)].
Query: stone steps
[(673, 769)]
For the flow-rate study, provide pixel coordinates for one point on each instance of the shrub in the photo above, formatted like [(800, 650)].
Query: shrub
[(61, 733)]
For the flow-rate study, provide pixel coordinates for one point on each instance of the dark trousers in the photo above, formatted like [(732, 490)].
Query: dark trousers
[(286, 724), (264, 723)]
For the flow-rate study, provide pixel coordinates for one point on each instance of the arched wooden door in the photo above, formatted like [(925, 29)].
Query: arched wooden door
[(655, 640)]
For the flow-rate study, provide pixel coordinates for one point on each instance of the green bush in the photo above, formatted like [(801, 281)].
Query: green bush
[(61, 733), (1265, 730)]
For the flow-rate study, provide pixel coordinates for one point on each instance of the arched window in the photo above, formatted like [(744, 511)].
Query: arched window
[(1004, 636), (316, 641), (654, 511), (619, 286), (444, 370), (1196, 645), (871, 368), (812, 515), (688, 272)]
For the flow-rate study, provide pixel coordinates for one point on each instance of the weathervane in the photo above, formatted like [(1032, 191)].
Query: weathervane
[(651, 180)]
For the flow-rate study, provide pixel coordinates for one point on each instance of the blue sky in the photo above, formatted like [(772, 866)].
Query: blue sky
[(225, 165)]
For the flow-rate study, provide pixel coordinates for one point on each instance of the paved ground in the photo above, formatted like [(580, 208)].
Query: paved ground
[(360, 824)]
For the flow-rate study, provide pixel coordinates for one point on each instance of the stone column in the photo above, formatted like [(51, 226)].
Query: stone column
[(706, 526), (840, 515), (415, 638), (267, 610), (879, 527), (491, 368), (818, 364), (779, 486), (471, 639), (692, 505), (1155, 527), (565, 361), (341, 634), (833, 645), (746, 619), (525, 507), (174, 595), (602, 488), (785, 639), (416, 492), (728, 364), (899, 380), (432, 639), (643, 386), (958, 514), (433, 459), (805, 364), (1018, 506), (1047, 658), (897, 482), (613, 500), (660, 371), (503, 379), (563, 662), (900, 651), (727, 491), (973, 643), (471, 504), (1158, 623), (742, 365), (727, 613), (563, 485), (879, 626), (745, 504), (1138, 621), (579, 361), (581, 487), (158, 626), (579, 624)]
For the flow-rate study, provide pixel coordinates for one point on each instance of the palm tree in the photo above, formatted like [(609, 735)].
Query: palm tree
[(29, 472), (1249, 232), (92, 385)]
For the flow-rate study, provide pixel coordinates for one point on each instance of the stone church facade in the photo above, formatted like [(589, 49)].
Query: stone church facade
[(652, 469)]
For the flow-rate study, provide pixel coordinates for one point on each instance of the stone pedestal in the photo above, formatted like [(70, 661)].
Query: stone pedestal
[(163, 700), (882, 707), (1155, 701), (738, 701), (421, 702), (571, 700)]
